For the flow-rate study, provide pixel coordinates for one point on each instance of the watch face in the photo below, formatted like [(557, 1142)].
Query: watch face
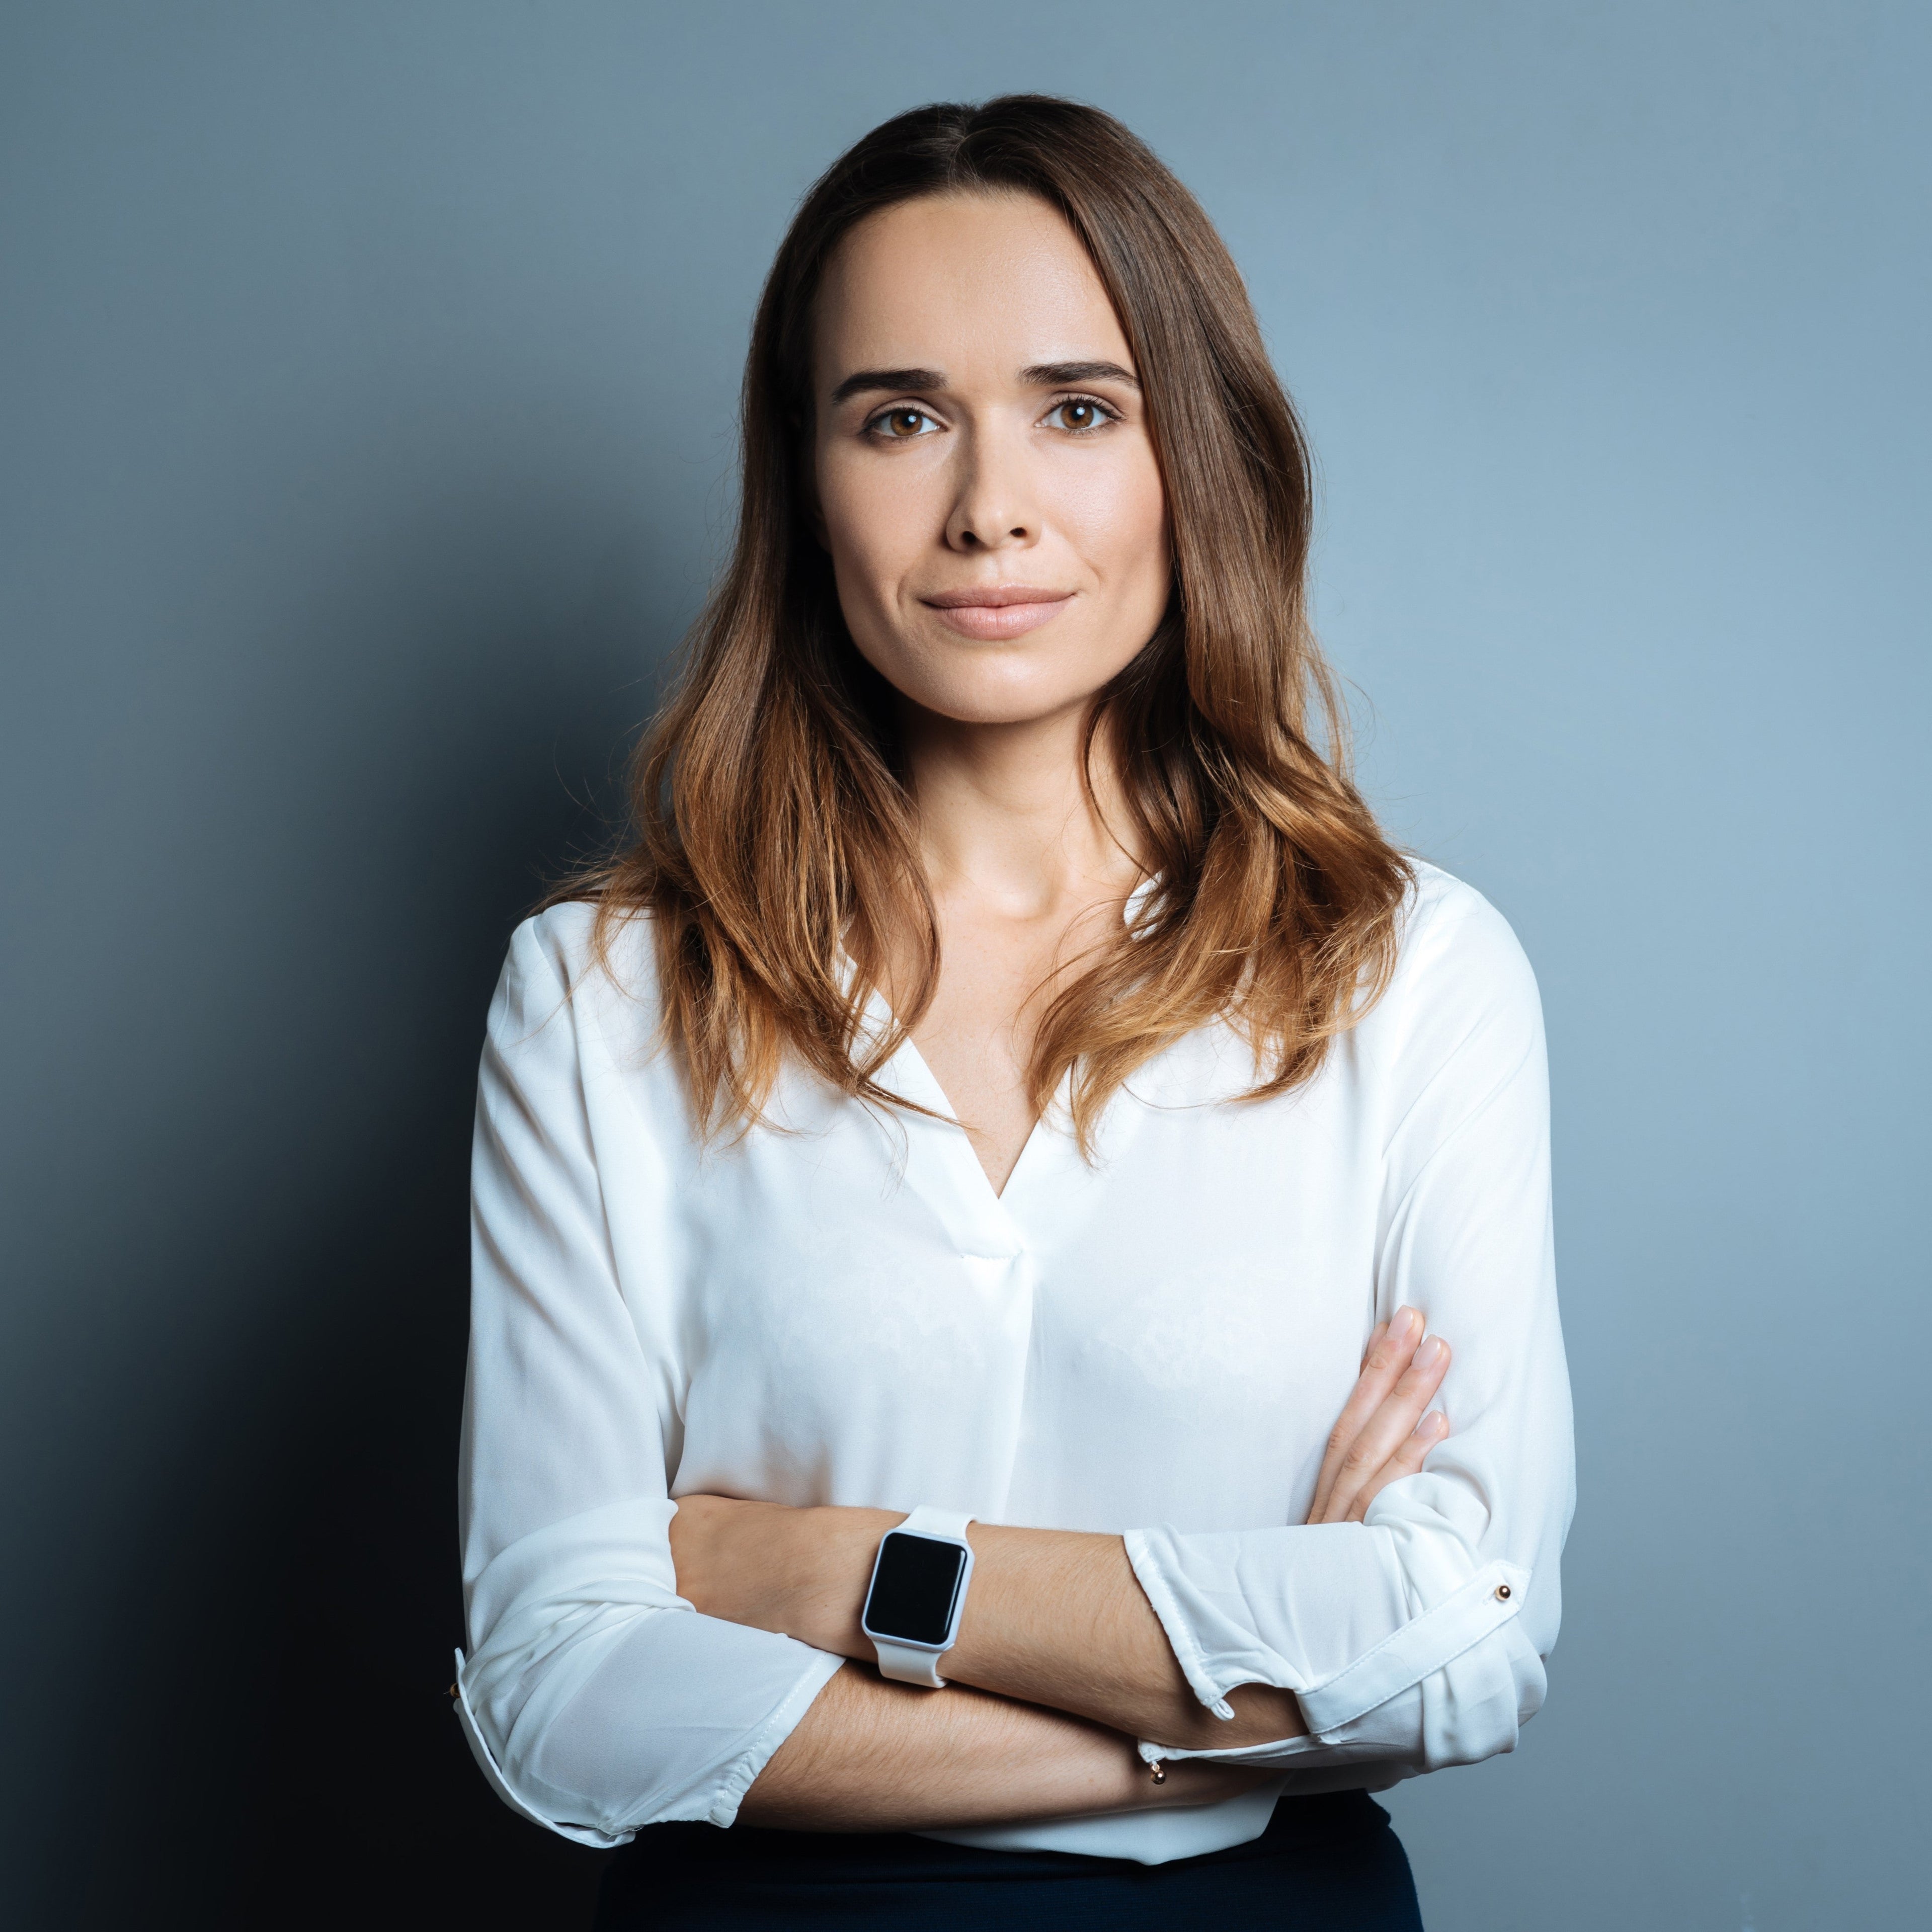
[(913, 1589)]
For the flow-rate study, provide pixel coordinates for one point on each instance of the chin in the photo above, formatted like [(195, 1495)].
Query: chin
[(979, 701), (988, 685)]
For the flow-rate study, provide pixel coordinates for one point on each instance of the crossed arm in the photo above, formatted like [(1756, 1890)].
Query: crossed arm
[(1061, 1663)]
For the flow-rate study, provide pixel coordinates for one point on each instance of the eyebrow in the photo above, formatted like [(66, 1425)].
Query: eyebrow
[(1061, 375), (868, 381), (1038, 375)]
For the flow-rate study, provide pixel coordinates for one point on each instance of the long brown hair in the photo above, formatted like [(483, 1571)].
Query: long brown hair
[(776, 845)]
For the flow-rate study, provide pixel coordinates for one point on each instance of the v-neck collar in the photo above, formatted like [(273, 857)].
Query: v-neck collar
[(940, 1164), (915, 1072), (1053, 1187), (1050, 1173)]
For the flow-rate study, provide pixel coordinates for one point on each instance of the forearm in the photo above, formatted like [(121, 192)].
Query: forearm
[(1053, 1618), (870, 1756), (1056, 1617)]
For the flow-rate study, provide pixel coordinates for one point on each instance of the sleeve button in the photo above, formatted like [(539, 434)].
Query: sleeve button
[(1502, 1593)]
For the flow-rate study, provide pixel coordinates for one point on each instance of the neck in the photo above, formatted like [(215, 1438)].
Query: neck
[(1003, 813)]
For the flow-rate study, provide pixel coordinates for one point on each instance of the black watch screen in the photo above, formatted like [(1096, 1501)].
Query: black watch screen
[(913, 1589)]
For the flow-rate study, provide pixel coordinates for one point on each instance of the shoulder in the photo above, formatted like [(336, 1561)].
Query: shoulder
[(1460, 973), (558, 958), (563, 942), (1450, 933)]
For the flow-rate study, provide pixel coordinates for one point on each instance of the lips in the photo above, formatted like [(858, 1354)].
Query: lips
[(993, 612)]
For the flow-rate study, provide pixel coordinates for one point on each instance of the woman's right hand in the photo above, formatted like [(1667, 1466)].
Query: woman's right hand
[(1386, 1428)]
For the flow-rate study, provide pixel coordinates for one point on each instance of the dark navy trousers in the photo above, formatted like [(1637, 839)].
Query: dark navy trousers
[(1327, 1864)]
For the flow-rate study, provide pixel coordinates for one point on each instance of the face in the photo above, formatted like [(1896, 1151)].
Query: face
[(987, 488)]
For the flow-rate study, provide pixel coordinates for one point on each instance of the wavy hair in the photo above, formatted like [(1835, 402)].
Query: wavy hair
[(775, 844)]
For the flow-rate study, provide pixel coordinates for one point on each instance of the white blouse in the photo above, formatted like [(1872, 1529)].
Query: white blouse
[(837, 1308)]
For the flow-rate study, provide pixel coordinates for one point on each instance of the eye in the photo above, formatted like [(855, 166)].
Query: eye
[(901, 424), (1080, 415)]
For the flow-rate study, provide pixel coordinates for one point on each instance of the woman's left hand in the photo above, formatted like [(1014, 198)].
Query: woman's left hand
[(1383, 1432)]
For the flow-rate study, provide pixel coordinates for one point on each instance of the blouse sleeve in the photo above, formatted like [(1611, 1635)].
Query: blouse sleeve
[(595, 1698), (1417, 1639)]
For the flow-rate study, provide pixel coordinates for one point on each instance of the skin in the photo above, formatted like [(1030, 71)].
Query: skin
[(991, 477), (989, 496)]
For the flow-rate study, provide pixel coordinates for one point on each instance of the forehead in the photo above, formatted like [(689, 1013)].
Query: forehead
[(980, 286)]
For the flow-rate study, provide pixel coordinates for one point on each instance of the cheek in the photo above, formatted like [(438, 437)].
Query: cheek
[(873, 518), (1117, 515)]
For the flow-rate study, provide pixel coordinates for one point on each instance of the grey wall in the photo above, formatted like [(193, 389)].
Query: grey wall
[(366, 378)]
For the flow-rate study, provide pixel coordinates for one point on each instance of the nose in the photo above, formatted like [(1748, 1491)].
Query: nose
[(994, 507)]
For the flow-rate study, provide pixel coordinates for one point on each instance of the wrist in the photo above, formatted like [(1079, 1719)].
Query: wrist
[(772, 1567), (830, 1552)]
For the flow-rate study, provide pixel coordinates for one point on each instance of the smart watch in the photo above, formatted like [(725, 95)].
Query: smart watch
[(918, 1591)]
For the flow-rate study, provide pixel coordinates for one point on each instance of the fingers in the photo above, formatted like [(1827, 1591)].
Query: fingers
[(1359, 1476), (1390, 1349), (1410, 1455), (1358, 1473)]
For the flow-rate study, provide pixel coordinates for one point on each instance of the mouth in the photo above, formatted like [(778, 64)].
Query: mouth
[(997, 611)]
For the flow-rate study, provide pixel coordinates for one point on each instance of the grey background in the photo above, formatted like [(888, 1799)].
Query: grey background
[(366, 381)]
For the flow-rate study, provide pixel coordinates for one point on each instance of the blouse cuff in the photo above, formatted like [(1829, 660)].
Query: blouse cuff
[(659, 1790), (492, 1776), (740, 1776), (1196, 1587)]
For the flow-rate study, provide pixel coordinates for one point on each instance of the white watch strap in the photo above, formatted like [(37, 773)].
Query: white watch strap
[(927, 1521), (904, 1665), (902, 1662)]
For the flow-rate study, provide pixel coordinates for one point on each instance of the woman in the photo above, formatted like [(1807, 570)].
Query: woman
[(937, 1191)]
